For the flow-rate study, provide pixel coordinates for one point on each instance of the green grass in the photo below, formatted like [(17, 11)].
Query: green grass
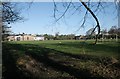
[(79, 47), (61, 58)]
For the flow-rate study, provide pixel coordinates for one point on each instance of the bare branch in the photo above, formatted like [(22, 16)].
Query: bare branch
[(97, 26), (84, 20), (55, 9), (9, 14), (76, 9), (64, 12)]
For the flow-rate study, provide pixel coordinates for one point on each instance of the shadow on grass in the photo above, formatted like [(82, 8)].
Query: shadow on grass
[(40, 54), (9, 68), (44, 58), (112, 47)]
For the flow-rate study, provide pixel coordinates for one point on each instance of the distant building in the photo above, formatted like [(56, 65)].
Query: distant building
[(80, 37), (18, 38), (28, 37), (11, 38), (21, 37), (39, 38)]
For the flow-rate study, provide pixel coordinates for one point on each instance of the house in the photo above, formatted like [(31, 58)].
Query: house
[(38, 38), (24, 37), (11, 38), (21, 37), (18, 38), (28, 37)]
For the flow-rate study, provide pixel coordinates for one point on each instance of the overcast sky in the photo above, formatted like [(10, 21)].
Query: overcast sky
[(39, 20)]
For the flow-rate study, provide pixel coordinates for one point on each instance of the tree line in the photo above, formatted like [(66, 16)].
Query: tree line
[(112, 33), (59, 37)]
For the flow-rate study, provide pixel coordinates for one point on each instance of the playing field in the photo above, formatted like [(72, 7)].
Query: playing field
[(61, 58)]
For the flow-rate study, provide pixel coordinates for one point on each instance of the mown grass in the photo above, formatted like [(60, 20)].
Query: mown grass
[(61, 58), (79, 47)]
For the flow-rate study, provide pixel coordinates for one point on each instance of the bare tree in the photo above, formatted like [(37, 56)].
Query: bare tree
[(91, 8), (9, 14), (113, 30)]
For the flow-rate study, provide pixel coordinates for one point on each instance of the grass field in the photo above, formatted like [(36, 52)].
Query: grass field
[(61, 58)]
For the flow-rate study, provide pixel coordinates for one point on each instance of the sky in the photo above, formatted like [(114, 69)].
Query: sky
[(39, 19)]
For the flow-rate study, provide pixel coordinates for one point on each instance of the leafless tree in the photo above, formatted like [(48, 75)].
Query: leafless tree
[(9, 14), (91, 8)]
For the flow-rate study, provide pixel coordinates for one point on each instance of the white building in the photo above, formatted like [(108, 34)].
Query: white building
[(38, 38)]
